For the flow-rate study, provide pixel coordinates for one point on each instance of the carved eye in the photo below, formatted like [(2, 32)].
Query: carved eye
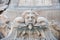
[(41, 21), (7, 22), (32, 17), (27, 17)]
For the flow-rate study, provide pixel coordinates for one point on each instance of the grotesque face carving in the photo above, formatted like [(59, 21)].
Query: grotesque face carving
[(42, 21), (30, 17)]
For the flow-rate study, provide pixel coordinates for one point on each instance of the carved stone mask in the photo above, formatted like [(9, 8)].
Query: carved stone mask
[(30, 17)]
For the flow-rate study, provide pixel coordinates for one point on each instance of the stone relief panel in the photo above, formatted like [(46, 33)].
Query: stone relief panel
[(31, 26)]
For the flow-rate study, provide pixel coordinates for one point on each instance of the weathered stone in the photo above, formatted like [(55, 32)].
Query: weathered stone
[(31, 24)]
